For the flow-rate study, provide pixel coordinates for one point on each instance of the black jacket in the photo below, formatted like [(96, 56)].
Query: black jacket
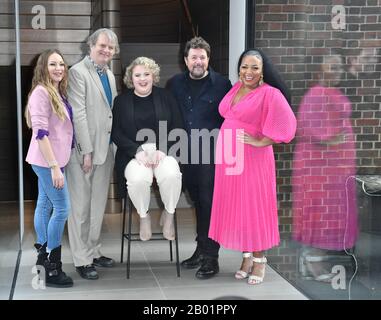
[(201, 112), (124, 129)]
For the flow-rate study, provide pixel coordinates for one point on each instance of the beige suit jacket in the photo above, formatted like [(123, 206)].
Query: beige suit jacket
[(92, 115)]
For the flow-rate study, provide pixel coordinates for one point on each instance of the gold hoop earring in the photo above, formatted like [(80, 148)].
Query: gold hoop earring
[(260, 80)]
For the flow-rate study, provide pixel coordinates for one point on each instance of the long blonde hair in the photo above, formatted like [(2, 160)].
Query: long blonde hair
[(41, 77)]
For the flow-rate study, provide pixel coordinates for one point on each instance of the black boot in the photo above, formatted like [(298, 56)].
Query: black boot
[(194, 261), (42, 254), (209, 268), (55, 277)]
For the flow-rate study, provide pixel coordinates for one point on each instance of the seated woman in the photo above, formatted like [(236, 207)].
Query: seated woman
[(138, 112)]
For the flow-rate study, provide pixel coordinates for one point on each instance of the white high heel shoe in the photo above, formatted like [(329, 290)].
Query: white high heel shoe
[(241, 274), (257, 279)]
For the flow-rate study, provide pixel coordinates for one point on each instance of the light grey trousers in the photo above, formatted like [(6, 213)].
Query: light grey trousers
[(88, 196)]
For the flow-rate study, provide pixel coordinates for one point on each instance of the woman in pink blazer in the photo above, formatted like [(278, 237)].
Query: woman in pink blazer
[(49, 115)]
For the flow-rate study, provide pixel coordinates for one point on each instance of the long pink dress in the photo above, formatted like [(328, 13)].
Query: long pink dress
[(324, 194), (244, 213)]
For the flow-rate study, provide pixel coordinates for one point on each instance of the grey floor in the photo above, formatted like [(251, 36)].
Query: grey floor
[(153, 276)]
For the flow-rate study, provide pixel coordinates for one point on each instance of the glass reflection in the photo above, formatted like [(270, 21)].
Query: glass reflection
[(324, 194)]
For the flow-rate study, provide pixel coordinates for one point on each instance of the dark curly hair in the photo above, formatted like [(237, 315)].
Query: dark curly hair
[(197, 43), (270, 75)]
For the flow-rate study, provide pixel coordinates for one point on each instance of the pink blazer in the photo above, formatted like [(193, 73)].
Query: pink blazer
[(60, 131)]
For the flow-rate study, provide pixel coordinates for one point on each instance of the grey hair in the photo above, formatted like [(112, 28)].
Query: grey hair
[(251, 52), (93, 38), (148, 63), (254, 53)]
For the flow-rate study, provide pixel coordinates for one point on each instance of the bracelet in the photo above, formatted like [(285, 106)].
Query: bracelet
[(52, 164)]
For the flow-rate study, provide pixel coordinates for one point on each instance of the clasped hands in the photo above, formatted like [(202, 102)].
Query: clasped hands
[(150, 160)]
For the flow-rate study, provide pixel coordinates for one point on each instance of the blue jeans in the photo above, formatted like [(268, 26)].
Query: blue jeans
[(52, 210)]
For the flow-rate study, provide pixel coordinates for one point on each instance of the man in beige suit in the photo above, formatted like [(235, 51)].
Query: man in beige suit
[(91, 93)]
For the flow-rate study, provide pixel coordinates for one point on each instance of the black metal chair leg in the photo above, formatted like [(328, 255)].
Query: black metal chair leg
[(170, 251), (123, 229), (129, 237), (177, 245)]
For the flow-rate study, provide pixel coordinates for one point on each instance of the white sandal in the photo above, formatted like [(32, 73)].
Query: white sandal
[(255, 279), (240, 274)]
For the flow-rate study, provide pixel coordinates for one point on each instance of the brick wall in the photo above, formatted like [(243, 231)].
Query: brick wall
[(294, 34)]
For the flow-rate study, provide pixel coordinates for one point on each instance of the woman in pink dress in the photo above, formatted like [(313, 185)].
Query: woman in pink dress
[(257, 115), (324, 195)]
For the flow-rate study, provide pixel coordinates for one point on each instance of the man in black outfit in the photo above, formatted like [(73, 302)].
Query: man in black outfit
[(198, 92)]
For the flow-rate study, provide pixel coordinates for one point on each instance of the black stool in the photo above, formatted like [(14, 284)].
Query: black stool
[(135, 236)]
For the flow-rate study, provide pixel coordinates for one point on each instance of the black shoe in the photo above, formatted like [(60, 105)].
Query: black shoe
[(42, 254), (103, 262), (194, 261), (88, 272), (54, 276), (208, 269)]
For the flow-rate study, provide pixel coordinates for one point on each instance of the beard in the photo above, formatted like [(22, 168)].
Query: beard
[(197, 72)]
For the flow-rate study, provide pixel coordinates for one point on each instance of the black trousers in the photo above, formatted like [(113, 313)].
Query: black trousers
[(199, 181)]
